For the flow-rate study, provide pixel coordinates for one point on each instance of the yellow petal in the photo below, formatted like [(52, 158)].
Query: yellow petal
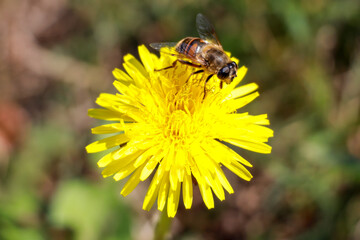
[(120, 164), (206, 194), (110, 128), (239, 170), (153, 189), (242, 91), (122, 88), (136, 71), (251, 133), (124, 172), (146, 58), (163, 191), (187, 188), (260, 131), (169, 159), (105, 160), (233, 105), (150, 166), (132, 182), (145, 156), (252, 146), (221, 153), (116, 102), (151, 194), (224, 182), (204, 167), (121, 75), (131, 148), (108, 115), (173, 178), (173, 200), (107, 143), (218, 189), (195, 171)]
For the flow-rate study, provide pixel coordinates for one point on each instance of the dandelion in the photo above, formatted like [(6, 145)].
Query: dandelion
[(168, 128)]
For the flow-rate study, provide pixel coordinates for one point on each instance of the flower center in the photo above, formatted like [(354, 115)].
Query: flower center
[(179, 127), (184, 100)]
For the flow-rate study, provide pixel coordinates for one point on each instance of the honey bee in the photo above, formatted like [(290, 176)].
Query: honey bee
[(205, 53)]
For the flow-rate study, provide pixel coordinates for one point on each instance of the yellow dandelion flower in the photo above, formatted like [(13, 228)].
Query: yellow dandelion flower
[(167, 128)]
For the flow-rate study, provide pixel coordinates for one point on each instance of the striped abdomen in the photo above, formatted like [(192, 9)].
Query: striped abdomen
[(190, 46)]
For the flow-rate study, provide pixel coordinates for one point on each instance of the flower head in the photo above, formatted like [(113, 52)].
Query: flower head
[(168, 125)]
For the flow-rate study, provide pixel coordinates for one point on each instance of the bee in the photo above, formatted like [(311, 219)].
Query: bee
[(205, 53)]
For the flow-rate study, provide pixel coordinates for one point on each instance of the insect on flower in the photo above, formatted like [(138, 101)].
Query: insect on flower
[(205, 53)]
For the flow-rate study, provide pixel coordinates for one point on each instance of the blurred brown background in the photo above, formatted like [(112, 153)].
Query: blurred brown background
[(56, 56)]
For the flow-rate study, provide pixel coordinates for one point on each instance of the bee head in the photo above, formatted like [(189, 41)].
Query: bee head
[(228, 72)]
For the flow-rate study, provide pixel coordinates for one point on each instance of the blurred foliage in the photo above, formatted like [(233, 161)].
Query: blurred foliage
[(305, 56)]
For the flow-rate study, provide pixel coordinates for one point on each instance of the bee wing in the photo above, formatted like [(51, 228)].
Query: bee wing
[(166, 47), (159, 46), (206, 30), (169, 48)]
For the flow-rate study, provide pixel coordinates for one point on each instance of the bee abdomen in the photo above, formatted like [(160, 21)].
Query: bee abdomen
[(190, 46)]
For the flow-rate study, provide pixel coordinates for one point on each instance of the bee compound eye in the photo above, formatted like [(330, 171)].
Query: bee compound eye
[(223, 73)]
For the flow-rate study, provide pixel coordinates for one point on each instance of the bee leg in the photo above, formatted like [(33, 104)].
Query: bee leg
[(208, 78), (180, 61), (172, 65), (221, 84), (193, 73), (189, 63)]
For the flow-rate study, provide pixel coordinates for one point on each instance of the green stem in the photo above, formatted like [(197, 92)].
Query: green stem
[(163, 226)]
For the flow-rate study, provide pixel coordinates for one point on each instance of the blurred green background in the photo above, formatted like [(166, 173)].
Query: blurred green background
[(56, 56)]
